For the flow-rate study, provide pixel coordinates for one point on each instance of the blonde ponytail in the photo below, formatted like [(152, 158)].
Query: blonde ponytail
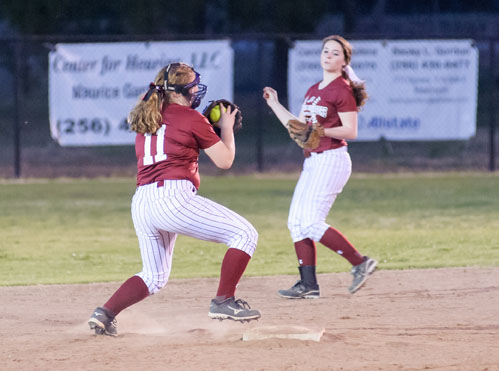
[(146, 117)]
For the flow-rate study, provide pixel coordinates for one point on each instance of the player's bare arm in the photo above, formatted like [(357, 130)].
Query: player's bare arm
[(270, 96), (348, 130), (222, 153)]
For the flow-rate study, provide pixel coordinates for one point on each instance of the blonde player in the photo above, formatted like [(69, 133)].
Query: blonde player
[(170, 133), (333, 103)]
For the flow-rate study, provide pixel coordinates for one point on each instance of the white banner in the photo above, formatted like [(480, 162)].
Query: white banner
[(419, 89), (93, 87)]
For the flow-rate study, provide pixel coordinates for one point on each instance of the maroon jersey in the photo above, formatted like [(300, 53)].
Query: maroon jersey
[(173, 152), (322, 106)]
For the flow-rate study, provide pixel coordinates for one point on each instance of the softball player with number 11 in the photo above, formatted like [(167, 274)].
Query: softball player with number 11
[(170, 133), (332, 103)]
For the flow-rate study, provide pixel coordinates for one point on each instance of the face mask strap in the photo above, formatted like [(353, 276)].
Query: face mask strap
[(184, 89)]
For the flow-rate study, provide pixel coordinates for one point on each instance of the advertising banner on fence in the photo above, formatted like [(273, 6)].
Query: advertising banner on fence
[(93, 87), (419, 89)]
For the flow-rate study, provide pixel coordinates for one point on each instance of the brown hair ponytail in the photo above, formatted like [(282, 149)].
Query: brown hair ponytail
[(358, 90), (146, 116)]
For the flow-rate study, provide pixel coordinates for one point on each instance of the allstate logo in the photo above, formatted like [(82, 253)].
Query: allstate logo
[(394, 123)]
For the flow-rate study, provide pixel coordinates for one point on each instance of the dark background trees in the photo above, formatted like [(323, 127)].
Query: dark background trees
[(46, 17)]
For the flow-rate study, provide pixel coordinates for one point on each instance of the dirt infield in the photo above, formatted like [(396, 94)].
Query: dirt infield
[(445, 319)]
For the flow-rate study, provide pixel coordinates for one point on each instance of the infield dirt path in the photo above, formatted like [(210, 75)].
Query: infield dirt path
[(443, 319)]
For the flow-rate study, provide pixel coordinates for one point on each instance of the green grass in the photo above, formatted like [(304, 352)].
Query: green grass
[(70, 231)]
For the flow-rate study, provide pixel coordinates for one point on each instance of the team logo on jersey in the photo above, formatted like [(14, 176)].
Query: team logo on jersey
[(311, 109)]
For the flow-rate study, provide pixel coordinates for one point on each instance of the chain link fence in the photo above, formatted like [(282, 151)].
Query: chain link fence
[(27, 149)]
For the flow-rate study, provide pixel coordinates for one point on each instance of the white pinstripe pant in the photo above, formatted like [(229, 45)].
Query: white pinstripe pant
[(160, 213), (323, 177)]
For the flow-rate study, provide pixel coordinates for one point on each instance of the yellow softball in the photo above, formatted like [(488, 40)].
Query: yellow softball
[(215, 113)]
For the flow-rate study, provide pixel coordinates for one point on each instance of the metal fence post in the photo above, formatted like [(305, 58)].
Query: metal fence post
[(18, 87), (493, 103), (259, 133)]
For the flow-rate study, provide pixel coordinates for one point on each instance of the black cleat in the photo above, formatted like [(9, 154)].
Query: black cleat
[(103, 323), (300, 291), (361, 273), (237, 310)]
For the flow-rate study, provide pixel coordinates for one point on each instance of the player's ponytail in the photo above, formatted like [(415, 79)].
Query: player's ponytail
[(358, 89), (358, 86), (145, 117)]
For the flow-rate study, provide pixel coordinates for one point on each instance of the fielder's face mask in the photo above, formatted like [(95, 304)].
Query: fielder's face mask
[(196, 97)]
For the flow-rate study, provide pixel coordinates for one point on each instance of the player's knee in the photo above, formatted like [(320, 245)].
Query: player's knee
[(312, 230), (296, 231), (246, 240), (250, 240), (253, 235), (316, 230), (154, 281)]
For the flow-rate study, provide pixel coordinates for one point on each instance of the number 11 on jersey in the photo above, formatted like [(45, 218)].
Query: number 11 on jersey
[(160, 155)]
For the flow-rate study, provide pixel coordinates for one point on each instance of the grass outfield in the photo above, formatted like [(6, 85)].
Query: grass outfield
[(80, 230)]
